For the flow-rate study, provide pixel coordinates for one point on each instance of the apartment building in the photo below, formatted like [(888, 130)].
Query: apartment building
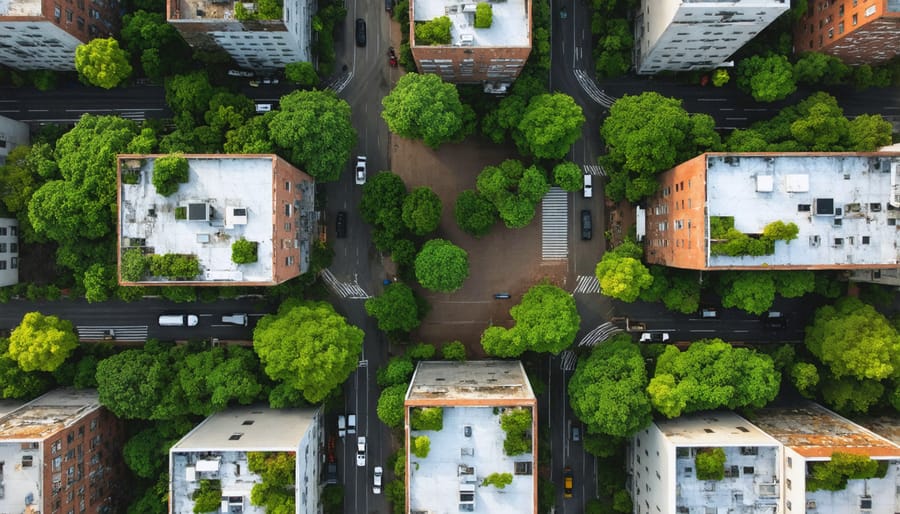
[(218, 449), (254, 44), (36, 34), (9, 251), (684, 35), (664, 475), (470, 444), (12, 134), (259, 198), (492, 56), (845, 206), (856, 31), (61, 453)]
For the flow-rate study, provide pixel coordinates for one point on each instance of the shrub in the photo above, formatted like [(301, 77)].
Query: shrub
[(455, 351), (243, 251), (516, 423), (434, 32), (181, 213), (168, 172), (174, 266), (134, 265), (498, 480), (568, 176), (484, 15), (421, 446), (420, 351), (834, 474), (208, 497), (429, 418), (710, 464)]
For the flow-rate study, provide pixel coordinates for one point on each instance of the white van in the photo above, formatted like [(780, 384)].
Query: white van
[(588, 186), (178, 320), (235, 319), (263, 108)]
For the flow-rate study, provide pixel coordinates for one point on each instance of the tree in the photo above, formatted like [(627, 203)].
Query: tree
[(398, 371), (307, 346), (42, 343), (517, 424), (433, 32), (427, 418), (390, 405), (168, 173), (608, 390), (102, 63), (498, 480), (514, 190), (243, 251), (484, 15), (816, 68), (99, 282), (382, 200), (794, 284), (711, 374), (303, 73), (868, 132), (442, 266), (710, 464), (421, 211), (850, 396), (396, 309), (313, 129), (678, 289), (427, 108), (145, 453), (621, 273), (767, 78), (17, 383), (833, 474), (454, 351), (568, 176), (189, 93), (130, 383), (147, 36), (474, 214), (854, 340), (805, 377), (547, 320), (614, 43), (421, 446), (720, 77), (751, 291), (549, 126)]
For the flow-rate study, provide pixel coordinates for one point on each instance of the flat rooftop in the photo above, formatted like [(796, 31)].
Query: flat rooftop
[(815, 432), (719, 428), (203, 10), (840, 202), (20, 8), (248, 428), (48, 414), (225, 198), (509, 27), (452, 472), (486, 382)]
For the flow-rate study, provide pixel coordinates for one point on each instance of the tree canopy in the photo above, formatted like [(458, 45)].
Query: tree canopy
[(395, 309), (303, 73), (102, 63), (514, 190), (768, 78), (390, 405), (621, 273), (751, 291), (679, 290), (42, 343), (382, 207), (547, 320), (422, 106), (421, 212), (550, 125), (308, 346), (474, 214), (442, 266)]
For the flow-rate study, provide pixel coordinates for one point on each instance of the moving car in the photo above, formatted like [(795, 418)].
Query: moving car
[(576, 433), (376, 483), (361, 451), (654, 337), (240, 73), (263, 108), (360, 32), (360, 170), (588, 186), (342, 425), (774, 319), (351, 425), (709, 313), (341, 224), (568, 482), (563, 13), (331, 475), (235, 319), (587, 229), (178, 320)]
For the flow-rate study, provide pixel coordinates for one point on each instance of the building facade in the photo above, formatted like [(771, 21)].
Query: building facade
[(43, 34), (264, 45), (12, 134), (856, 31), (473, 396), (259, 198), (845, 207), (492, 56), (9, 251), (62, 453), (218, 449), (684, 35)]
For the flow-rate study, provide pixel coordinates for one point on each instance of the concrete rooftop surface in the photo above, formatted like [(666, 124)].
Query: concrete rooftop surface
[(20, 8), (509, 27), (48, 414), (447, 382)]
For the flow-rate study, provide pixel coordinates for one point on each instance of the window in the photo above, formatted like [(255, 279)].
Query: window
[(841, 10), (2, 247), (855, 19), (841, 28), (287, 185), (27, 461), (57, 462), (803, 207), (790, 462), (235, 436), (69, 16), (13, 247), (287, 209), (2, 264), (865, 240), (3, 231)]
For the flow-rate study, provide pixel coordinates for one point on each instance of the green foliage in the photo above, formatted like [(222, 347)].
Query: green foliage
[(794, 284), (265, 10), (454, 351), (550, 125), (398, 371), (390, 405), (855, 340), (712, 374), (484, 15), (514, 190), (427, 418), (498, 480), (868, 132), (382, 205), (768, 78), (99, 282), (710, 464), (275, 493), (16, 383), (751, 291), (313, 129), (147, 36), (805, 377), (243, 251), (568, 176), (433, 32), (333, 499), (179, 294), (679, 290), (168, 173), (420, 351), (622, 502), (442, 266), (517, 425), (427, 108), (41, 343), (308, 346), (621, 273), (189, 93), (547, 320), (499, 123), (733, 242), (474, 214), (102, 63), (208, 497), (173, 266), (303, 73), (615, 39), (833, 475), (815, 68), (850, 396), (421, 446), (395, 309), (608, 390), (720, 77), (395, 492), (421, 212)]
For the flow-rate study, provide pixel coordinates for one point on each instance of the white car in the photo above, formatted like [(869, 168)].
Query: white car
[(588, 186), (361, 451), (360, 169), (376, 487), (654, 337), (351, 424)]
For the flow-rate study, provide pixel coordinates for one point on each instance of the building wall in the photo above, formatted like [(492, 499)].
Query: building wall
[(12, 134), (857, 31), (9, 251), (676, 219), (37, 44), (471, 64), (651, 465), (286, 220), (309, 469)]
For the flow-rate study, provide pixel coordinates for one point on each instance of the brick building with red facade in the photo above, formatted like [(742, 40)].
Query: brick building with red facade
[(857, 31)]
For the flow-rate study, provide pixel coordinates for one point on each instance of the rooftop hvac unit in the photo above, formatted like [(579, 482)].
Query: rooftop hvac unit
[(235, 216), (765, 183), (466, 40), (198, 211)]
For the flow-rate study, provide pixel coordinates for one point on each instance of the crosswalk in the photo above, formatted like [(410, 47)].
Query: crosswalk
[(343, 289), (590, 87), (599, 334), (555, 225), (594, 169), (127, 333), (567, 360), (586, 284), (339, 83)]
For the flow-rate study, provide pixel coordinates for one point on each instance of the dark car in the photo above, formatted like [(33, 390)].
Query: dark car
[(360, 32), (774, 319), (587, 229), (341, 224)]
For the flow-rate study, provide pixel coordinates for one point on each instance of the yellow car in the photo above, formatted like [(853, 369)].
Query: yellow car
[(567, 482)]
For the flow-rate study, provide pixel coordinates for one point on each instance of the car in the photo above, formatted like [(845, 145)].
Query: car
[(774, 319), (269, 81), (235, 319), (360, 170), (588, 186), (331, 476), (178, 320), (361, 451), (568, 482), (708, 313), (502, 296), (341, 224), (563, 13), (587, 230), (360, 32), (576, 433), (342, 425), (351, 424), (254, 83), (240, 73), (376, 480), (654, 337), (263, 108)]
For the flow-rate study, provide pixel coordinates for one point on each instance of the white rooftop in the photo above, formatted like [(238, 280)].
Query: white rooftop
[(229, 186), (840, 202), (456, 463), (720, 428), (20, 8), (47, 414), (509, 27), (260, 428), (490, 382)]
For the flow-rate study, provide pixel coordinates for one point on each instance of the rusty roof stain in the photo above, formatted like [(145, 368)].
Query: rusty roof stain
[(472, 380), (47, 414)]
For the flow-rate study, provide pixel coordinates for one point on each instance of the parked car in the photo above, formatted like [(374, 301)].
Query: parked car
[(360, 170), (588, 186), (654, 337), (331, 476), (576, 433), (568, 482), (376, 481), (351, 424), (178, 320), (341, 224), (709, 313), (360, 32), (263, 108), (240, 73), (361, 451), (342, 425), (774, 319), (587, 229), (235, 319), (563, 13)]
